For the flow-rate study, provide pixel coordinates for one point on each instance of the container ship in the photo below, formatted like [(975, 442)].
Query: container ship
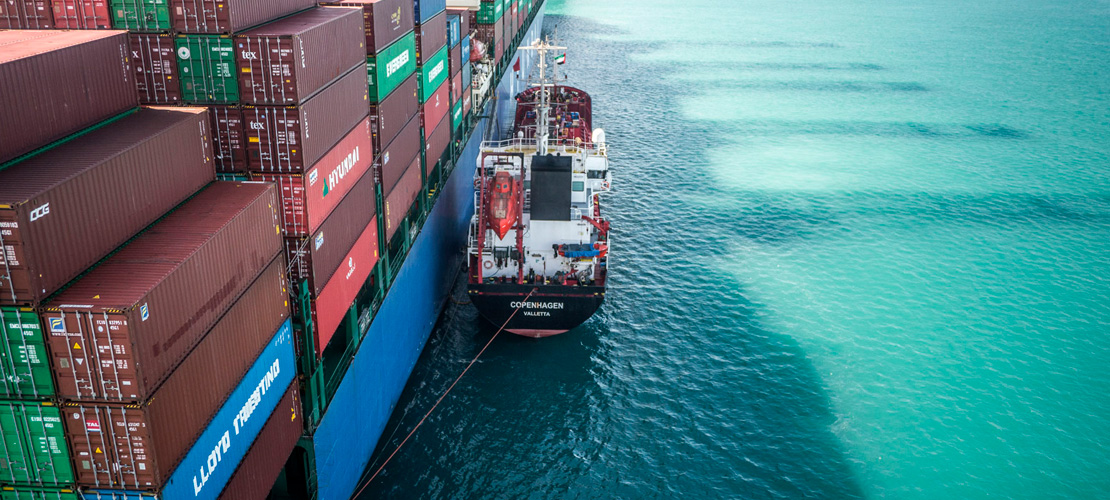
[(227, 229), (538, 246)]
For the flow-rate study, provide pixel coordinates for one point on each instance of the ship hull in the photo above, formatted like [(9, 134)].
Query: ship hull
[(536, 310), (342, 445)]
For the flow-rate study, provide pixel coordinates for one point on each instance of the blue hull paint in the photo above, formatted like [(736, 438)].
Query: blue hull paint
[(357, 414)]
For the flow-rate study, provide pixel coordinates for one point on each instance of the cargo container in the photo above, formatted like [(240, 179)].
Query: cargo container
[(187, 440), (60, 82), (437, 143), (287, 61), (430, 37), (154, 58), (37, 493), (141, 15), (454, 29), (65, 209), (26, 15), (423, 10), (34, 446), (389, 116), (228, 139), (433, 74), (316, 257), (454, 59), (23, 360), (290, 139), (490, 11), (265, 459), (464, 20), (437, 107), (102, 494), (456, 88), (398, 154), (467, 75), (229, 16), (456, 115), (467, 97), (308, 199), (331, 305), (400, 198), (120, 330), (384, 21), (388, 68), (208, 69), (464, 56), (81, 14)]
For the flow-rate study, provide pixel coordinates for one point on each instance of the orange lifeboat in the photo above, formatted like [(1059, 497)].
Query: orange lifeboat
[(504, 206)]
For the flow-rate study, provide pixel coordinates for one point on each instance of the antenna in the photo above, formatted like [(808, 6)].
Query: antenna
[(542, 47)]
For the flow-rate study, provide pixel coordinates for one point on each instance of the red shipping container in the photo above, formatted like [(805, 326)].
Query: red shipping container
[(437, 143), (388, 117), (499, 40), (384, 21), (82, 14), (228, 138), (132, 319), (454, 60), (398, 154), (467, 95), (456, 88), (400, 198), (287, 61), (331, 305), (304, 208), (229, 16), (65, 209), (155, 60), (26, 14), (161, 429), (277, 136), (266, 458), (437, 107), (315, 258), (55, 83), (430, 37)]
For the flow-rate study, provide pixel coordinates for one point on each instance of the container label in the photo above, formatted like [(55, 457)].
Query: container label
[(396, 64), (40, 212), (57, 325), (319, 240), (90, 425), (144, 312)]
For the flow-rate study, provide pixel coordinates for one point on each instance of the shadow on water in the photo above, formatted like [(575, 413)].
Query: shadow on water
[(673, 390)]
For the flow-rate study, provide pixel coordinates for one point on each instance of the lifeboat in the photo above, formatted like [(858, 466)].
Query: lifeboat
[(504, 205)]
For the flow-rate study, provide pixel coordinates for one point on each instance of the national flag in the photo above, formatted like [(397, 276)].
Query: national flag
[(516, 66), (562, 59)]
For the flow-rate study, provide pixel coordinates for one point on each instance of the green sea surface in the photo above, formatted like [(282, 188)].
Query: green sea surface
[(862, 250)]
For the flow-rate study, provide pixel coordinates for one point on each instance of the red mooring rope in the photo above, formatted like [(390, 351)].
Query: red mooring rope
[(444, 395)]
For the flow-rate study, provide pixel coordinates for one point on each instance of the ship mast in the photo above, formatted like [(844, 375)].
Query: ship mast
[(542, 47)]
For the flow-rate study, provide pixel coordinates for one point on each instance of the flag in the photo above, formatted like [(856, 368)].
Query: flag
[(516, 66), (562, 59)]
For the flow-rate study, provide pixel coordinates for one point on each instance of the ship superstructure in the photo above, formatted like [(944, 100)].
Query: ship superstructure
[(539, 247)]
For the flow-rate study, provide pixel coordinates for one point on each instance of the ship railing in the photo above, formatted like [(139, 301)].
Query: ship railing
[(559, 147)]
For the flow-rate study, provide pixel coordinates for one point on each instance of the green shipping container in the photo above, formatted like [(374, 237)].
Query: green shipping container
[(433, 74), (141, 15), (391, 66), (35, 449), (24, 364), (33, 493), (456, 116), (490, 12), (208, 70)]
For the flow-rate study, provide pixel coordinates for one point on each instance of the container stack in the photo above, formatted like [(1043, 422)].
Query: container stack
[(490, 29), (145, 310)]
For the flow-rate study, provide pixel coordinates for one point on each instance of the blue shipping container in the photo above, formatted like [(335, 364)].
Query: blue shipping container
[(468, 75), (208, 466), (465, 51), (424, 10), (453, 27)]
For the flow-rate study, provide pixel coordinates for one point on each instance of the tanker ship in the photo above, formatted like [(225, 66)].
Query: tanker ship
[(228, 228), (538, 245)]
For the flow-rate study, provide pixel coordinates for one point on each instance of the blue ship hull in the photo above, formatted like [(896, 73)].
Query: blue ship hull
[(358, 412)]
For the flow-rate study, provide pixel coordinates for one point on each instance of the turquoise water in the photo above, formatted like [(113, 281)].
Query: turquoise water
[(863, 251)]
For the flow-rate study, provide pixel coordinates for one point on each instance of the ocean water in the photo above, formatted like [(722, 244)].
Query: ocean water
[(862, 250)]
